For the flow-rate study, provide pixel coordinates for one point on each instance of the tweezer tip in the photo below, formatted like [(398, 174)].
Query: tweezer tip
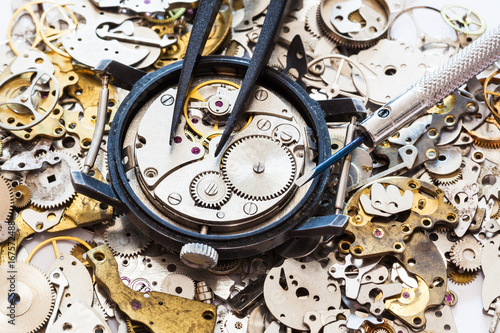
[(305, 178)]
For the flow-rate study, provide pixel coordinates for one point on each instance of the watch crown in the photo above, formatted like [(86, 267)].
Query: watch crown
[(198, 255)]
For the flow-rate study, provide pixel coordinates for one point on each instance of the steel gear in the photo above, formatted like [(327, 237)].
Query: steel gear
[(460, 277), (449, 179), (466, 254), (258, 168), (33, 296), (312, 22), (51, 185), (355, 40), (124, 239), (22, 196), (179, 285), (79, 250), (6, 200), (209, 190)]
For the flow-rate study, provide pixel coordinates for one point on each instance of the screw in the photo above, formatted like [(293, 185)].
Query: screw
[(264, 124), (378, 233), (211, 189), (383, 113), (174, 198), (220, 215), (406, 295), (167, 100), (259, 167), (261, 95), (285, 136), (250, 208)]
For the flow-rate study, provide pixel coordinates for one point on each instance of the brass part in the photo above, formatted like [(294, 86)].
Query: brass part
[(486, 141), (22, 195), (86, 91), (218, 35), (170, 16), (460, 277), (487, 93), (82, 211), (158, 311), (369, 327), (411, 305), (50, 34), (361, 224)]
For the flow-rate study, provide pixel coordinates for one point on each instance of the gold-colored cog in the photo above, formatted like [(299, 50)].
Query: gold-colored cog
[(135, 327), (169, 17), (79, 250), (22, 195), (460, 277), (6, 200)]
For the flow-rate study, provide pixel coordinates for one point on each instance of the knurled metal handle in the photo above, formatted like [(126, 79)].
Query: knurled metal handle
[(432, 88)]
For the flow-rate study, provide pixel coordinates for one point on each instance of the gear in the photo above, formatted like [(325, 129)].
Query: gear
[(22, 196), (258, 168), (7, 200), (179, 285), (79, 250), (136, 327), (312, 22), (368, 34), (33, 296), (209, 190), (466, 254), (198, 255), (124, 239), (460, 277), (450, 179), (226, 267), (51, 185), (168, 17)]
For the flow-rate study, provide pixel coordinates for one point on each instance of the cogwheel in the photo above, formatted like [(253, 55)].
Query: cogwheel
[(51, 185), (178, 285), (460, 277), (22, 195), (165, 18), (258, 168), (226, 267), (124, 239), (448, 179), (351, 41), (33, 296), (136, 327), (312, 22), (466, 254), (209, 190), (495, 212), (233, 49), (6, 200), (79, 250)]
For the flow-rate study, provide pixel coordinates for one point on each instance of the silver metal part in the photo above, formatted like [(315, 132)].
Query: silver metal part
[(432, 88)]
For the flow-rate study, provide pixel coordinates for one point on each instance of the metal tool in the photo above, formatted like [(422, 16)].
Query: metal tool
[(276, 13), (425, 93), (205, 17)]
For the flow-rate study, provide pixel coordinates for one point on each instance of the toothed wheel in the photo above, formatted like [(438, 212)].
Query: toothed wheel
[(312, 22), (6, 200), (449, 179), (353, 29), (209, 190), (466, 254), (460, 277), (51, 185), (33, 297), (178, 285), (258, 168), (22, 196), (124, 239)]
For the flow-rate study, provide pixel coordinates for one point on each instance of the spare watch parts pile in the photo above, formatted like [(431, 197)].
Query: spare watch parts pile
[(162, 234)]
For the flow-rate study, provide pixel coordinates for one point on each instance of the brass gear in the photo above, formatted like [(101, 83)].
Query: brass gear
[(460, 277), (136, 327), (482, 137), (22, 195), (34, 298), (79, 250), (170, 16), (6, 200), (209, 190), (258, 168)]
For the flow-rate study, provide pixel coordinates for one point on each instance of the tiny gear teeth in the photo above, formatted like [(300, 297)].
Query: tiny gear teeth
[(7, 200), (179, 285), (22, 196), (209, 190), (443, 180), (51, 185), (312, 22), (124, 239), (460, 277), (36, 298), (466, 254), (255, 160)]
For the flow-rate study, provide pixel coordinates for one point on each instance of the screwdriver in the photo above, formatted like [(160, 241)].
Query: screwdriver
[(417, 99)]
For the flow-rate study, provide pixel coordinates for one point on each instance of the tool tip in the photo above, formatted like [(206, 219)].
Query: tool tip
[(305, 178)]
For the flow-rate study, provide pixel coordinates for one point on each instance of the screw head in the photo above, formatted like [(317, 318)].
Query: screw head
[(167, 100)]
